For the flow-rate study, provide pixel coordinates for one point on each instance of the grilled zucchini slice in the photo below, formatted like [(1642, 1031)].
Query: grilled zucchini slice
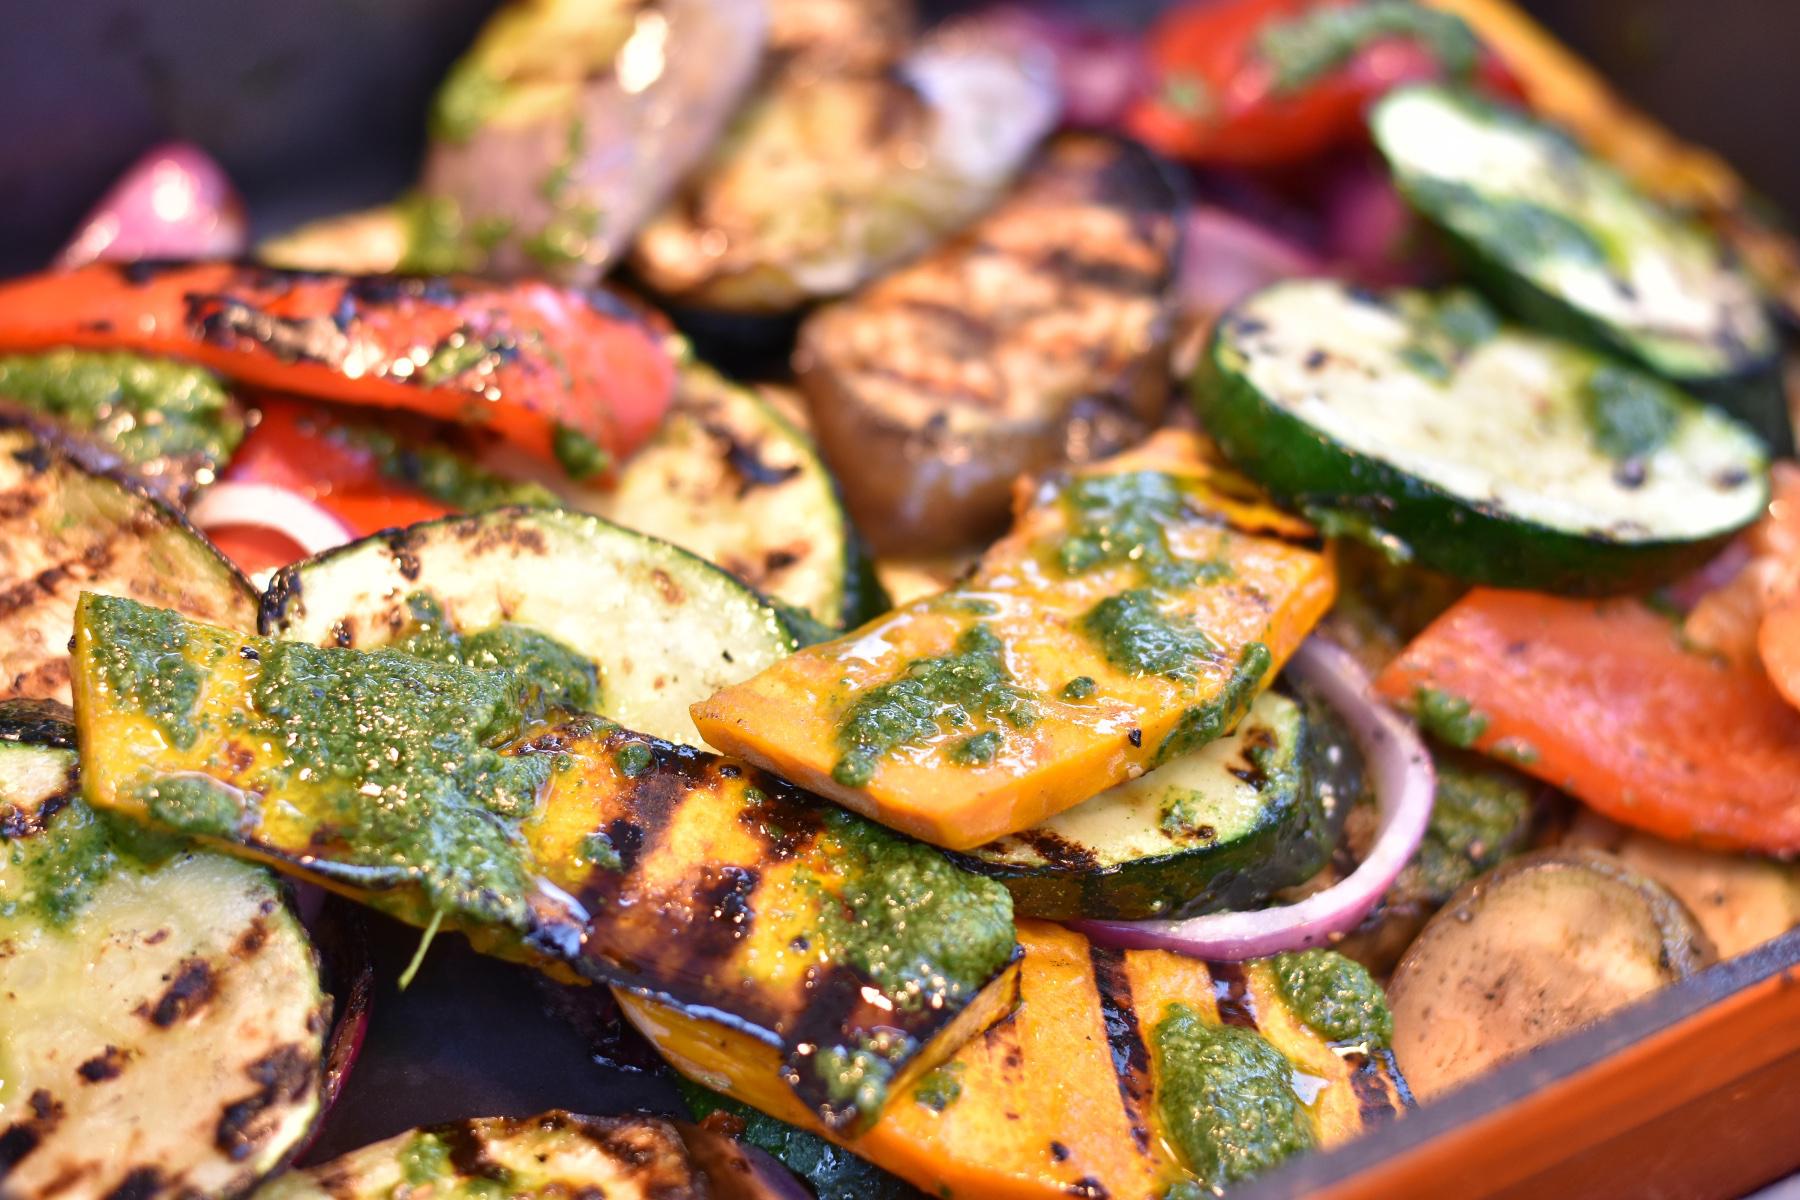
[(1490, 453), (1567, 242), (1224, 827), (65, 526), (554, 1154), (164, 1024), (661, 627), (732, 480), (844, 957)]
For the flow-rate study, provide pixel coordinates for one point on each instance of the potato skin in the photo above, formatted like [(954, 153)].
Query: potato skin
[(1037, 338)]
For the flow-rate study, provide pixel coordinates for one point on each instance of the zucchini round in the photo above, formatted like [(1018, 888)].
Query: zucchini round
[(729, 478), (1224, 827), (1491, 453), (663, 627), (164, 1024), (1567, 242), (66, 528)]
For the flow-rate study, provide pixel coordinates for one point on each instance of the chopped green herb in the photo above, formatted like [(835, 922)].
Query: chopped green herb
[(1139, 638), (1631, 414), (1450, 719), (1324, 38)]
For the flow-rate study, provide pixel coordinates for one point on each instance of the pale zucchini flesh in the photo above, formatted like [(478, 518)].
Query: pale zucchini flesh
[(732, 480), (663, 627), (1527, 201), (164, 1026), (1222, 827), (65, 529), (1475, 449)]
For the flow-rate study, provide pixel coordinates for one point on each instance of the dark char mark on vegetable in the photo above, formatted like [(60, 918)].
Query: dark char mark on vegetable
[(282, 1077), (191, 989), (1231, 991), (1369, 1081), (140, 1183), (1124, 1038), (22, 1137)]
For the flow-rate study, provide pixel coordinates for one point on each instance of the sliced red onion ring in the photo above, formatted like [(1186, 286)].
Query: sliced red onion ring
[(1724, 567), (175, 202), (1400, 769), (265, 506)]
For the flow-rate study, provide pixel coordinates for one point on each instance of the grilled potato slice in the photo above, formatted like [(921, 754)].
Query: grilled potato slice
[(162, 1024), (1037, 337), (65, 527)]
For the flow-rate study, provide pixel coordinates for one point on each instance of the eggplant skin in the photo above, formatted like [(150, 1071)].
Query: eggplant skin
[(572, 157), (1039, 337)]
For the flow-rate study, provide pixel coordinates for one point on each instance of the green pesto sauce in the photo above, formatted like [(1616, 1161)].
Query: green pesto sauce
[(1481, 815), (142, 654), (1303, 48), (564, 678), (52, 874), (925, 932), (1138, 638), (1208, 722), (1226, 1098), (1079, 688), (469, 95), (1522, 231), (442, 473), (1122, 518), (144, 409), (574, 222), (581, 457), (426, 1160), (439, 240), (1448, 718), (1335, 996), (833, 1172), (932, 697), (1444, 334), (1630, 414), (940, 1088)]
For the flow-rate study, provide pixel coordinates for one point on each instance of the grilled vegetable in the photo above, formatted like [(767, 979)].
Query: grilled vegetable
[(827, 182), (568, 122), (1605, 701), (164, 1024), (371, 241), (658, 626), (442, 787), (1037, 337), (1567, 242), (1095, 1083), (171, 424), (536, 1158), (839, 36), (1492, 976), (569, 376), (1739, 901), (1130, 617), (63, 528), (832, 1172), (1223, 827), (732, 480), (1490, 453)]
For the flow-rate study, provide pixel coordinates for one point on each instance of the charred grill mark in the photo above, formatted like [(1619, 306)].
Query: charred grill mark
[(250, 942), (284, 1077), (103, 1066), (1074, 270), (786, 824), (961, 327), (1369, 1083), (1057, 851), (192, 987), (1391, 1070), (1231, 991), (744, 461), (1089, 1188), (1124, 1039), (723, 900), (834, 1013), (400, 547), (35, 458), (468, 1152), (16, 823), (140, 1183), (18, 1140), (47, 583)]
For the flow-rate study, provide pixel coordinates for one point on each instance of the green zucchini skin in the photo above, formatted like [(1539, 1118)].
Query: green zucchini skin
[(1733, 368), (1474, 539), (1054, 875)]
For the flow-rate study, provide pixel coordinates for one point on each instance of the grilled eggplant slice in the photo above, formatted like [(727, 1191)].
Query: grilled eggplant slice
[(569, 122), (164, 1023), (660, 626), (1490, 453), (825, 183), (554, 1154), (1493, 976), (171, 423), (1073, 1094), (1131, 616), (1036, 338), (729, 478), (1224, 827), (65, 526), (843, 957), (1567, 242)]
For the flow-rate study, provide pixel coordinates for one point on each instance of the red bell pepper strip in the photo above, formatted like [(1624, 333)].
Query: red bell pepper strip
[(1219, 97), (1606, 700), (572, 376)]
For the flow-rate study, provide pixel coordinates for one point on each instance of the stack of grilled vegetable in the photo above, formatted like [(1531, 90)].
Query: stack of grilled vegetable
[(1220, 771)]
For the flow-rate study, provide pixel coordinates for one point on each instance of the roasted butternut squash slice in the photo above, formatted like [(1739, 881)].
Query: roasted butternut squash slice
[(1072, 1095), (847, 959), (1132, 614)]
